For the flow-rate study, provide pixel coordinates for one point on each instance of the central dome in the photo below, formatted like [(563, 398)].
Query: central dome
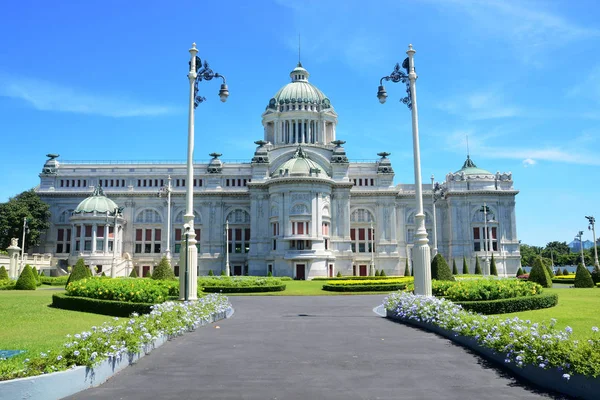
[(300, 91)]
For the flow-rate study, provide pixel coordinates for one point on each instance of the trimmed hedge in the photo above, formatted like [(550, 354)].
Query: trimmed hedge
[(365, 288), (562, 279), (54, 280), (516, 304), (583, 278), (440, 270), (243, 289), (3, 273), (539, 273), (163, 270), (27, 281), (355, 278), (97, 306)]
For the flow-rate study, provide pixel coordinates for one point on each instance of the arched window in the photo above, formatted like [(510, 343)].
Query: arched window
[(411, 227), (361, 234), (361, 215), (484, 240), (238, 235), (148, 216)]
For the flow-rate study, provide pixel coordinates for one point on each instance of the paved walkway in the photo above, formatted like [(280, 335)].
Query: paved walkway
[(329, 347)]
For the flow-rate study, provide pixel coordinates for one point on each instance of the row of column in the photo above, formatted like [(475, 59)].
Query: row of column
[(94, 238), (300, 131)]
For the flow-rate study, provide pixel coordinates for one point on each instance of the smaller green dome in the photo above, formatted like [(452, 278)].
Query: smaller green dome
[(469, 168), (299, 165), (97, 202)]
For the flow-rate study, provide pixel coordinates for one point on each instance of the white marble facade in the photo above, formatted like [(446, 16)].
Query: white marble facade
[(298, 208)]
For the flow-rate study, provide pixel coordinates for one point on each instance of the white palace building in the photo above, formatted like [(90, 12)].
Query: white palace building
[(298, 208)]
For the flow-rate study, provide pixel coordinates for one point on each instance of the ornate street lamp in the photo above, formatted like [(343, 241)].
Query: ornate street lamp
[(25, 230), (422, 256), (486, 235), (198, 72), (116, 212), (166, 189), (227, 269), (436, 193), (579, 236), (592, 227)]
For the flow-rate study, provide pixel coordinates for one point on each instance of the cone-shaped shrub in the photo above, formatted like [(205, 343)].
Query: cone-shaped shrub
[(454, 269), (3, 273), (35, 273), (440, 269), (376, 272), (223, 273), (42, 274), (80, 271), (412, 271), (565, 271), (550, 270), (583, 278), (539, 274), (406, 269), (147, 274), (477, 267), (558, 272), (465, 266), (339, 274), (269, 274), (211, 273), (133, 273), (27, 280), (493, 269), (520, 272), (103, 273), (163, 270), (382, 273)]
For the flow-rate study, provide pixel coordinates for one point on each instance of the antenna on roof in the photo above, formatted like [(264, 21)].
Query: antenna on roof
[(467, 146)]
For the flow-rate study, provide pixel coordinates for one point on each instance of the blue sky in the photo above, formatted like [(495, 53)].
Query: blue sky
[(107, 81)]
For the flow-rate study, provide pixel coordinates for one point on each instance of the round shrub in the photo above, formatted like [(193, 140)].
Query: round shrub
[(3, 273), (163, 270), (80, 271), (26, 280), (440, 270), (583, 278), (477, 267), (539, 274)]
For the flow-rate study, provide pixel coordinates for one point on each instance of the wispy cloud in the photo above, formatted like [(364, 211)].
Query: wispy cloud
[(48, 96), (528, 162), (480, 106)]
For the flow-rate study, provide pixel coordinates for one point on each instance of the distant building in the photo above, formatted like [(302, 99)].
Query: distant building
[(575, 245), (298, 208)]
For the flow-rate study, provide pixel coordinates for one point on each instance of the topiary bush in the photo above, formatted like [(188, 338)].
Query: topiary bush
[(3, 273), (80, 271), (222, 273), (520, 272), (550, 270), (211, 273), (406, 269), (493, 269), (583, 278), (465, 270), (133, 273), (382, 273), (558, 272), (103, 274), (147, 274), (376, 272), (477, 267), (36, 275), (27, 280), (539, 274), (440, 269), (454, 269), (163, 270), (269, 274), (339, 274)]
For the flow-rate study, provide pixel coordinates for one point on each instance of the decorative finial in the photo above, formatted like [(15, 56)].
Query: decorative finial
[(468, 152), (299, 63), (215, 155), (384, 154), (194, 45)]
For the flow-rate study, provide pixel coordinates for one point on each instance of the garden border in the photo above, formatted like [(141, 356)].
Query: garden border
[(511, 304), (365, 288), (66, 383), (243, 289), (550, 379)]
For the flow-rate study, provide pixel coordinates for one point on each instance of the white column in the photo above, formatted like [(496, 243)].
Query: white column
[(421, 254), (94, 236), (82, 237), (105, 249), (72, 238)]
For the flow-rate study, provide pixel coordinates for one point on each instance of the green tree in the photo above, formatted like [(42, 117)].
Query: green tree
[(163, 270), (539, 273), (3, 273), (211, 273), (27, 281), (583, 278), (24, 205), (440, 269), (520, 272), (133, 273), (477, 267), (80, 271), (555, 249), (465, 266), (454, 269), (493, 269), (406, 269), (529, 254)]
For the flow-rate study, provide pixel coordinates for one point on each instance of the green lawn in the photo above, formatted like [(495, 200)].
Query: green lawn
[(303, 288), (28, 323), (577, 308)]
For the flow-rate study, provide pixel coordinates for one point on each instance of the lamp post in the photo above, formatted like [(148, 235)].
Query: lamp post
[(198, 72), (372, 272), (592, 227), (116, 212), (422, 256), (486, 270), (25, 229), (227, 270), (579, 236), (166, 189), (434, 188)]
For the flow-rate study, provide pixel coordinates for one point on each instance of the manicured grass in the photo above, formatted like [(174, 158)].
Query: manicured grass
[(303, 288), (577, 308), (28, 323)]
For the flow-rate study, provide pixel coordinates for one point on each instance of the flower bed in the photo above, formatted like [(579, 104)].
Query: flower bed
[(240, 284), (485, 289), (367, 285), (7, 284), (128, 289), (113, 340), (519, 343), (510, 305), (97, 306)]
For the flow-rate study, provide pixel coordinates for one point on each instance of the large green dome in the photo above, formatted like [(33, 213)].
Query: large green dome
[(299, 90), (469, 168), (97, 202)]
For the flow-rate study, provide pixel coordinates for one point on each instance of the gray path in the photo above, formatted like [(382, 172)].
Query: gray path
[(330, 347)]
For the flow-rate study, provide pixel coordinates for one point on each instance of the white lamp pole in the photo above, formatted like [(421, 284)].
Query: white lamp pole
[(116, 212), (227, 269), (167, 189), (22, 246), (592, 226), (486, 244), (188, 280), (435, 250), (372, 272), (422, 255), (580, 236)]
